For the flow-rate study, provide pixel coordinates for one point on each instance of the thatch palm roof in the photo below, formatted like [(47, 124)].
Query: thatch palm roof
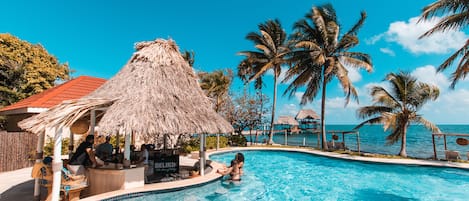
[(307, 114), (286, 120), (156, 92)]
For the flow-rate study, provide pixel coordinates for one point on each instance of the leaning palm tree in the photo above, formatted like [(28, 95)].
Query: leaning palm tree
[(272, 52), (320, 55), (397, 108), (455, 16)]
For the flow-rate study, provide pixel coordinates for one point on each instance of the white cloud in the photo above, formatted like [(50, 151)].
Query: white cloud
[(387, 51), (407, 33), (298, 96), (288, 110), (374, 39), (429, 75), (353, 74), (281, 77)]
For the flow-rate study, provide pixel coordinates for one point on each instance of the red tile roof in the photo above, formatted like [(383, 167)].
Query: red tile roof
[(72, 89)]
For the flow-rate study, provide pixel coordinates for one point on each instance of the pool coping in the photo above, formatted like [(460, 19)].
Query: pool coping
[(212, 175), (396, 161)]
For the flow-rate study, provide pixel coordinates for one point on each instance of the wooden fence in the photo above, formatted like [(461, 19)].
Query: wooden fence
[(15, 150)]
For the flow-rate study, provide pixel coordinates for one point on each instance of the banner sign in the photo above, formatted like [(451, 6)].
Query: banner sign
[(166, 164)]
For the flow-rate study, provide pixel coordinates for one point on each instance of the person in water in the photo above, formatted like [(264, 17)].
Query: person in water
[(232, 170), (235, 169)]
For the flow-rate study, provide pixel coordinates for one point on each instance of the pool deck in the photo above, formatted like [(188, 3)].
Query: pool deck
[(11, 180)]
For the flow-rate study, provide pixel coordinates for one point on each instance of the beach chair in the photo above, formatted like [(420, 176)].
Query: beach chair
[(452, 155)]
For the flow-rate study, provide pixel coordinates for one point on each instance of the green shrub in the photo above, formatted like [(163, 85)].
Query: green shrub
[(49, 146), (238, 140), (212, 142), (194, 144)]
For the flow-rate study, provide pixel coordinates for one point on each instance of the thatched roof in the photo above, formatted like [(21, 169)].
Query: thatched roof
[(307, 114), (286, 120), (156, 92)]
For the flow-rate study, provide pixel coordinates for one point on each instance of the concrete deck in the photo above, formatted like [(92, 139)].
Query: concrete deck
[(18, 185)]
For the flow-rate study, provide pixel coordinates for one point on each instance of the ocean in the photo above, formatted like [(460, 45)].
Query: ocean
[(373, 140)]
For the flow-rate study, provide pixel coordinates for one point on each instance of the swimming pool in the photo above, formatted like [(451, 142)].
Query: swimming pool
[(283, 175)]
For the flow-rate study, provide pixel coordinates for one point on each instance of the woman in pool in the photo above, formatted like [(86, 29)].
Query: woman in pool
[(235, 169)]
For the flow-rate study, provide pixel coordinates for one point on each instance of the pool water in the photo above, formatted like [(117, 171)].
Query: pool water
[(282, 175)]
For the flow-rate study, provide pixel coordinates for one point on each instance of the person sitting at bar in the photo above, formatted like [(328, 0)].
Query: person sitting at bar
[(83, 157), (104, 150)]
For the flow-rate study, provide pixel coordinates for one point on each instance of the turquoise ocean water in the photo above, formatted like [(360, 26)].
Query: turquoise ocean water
[(373, 139)]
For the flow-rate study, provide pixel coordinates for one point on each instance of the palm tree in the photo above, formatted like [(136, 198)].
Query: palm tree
[(272, 52), (216, 85), (397, 109), (189, 57), (455, 16), (320, 55)]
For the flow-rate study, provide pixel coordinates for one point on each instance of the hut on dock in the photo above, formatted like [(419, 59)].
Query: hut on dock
[(287, 123), (308, 119)]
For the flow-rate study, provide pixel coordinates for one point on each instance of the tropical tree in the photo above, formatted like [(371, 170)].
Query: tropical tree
[(397, 108), (272, 52), (320, 55), (26, 69), (216, 85), (189, 57), (455, 15)]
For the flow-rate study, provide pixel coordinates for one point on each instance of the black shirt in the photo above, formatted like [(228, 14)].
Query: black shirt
[(81, 157)]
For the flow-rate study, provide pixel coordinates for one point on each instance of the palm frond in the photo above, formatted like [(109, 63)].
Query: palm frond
[(382, 96), (451, 22), (358, 25), (431, 126), (375, 120), (355, 63), (371, 111)]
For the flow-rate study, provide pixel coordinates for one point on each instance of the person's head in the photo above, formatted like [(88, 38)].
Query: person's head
[(233, 163), (90, 139), (143, 147), (108, 138), (47, 160), (239, 157)]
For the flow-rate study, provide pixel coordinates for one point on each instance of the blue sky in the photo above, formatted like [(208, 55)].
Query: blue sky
[(96, 38)]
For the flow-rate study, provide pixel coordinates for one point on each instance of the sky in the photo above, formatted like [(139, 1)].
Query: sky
[(97, 38)]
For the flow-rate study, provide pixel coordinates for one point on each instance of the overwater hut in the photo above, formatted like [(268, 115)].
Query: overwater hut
[(287, 123), (308, 119), (155, 94)]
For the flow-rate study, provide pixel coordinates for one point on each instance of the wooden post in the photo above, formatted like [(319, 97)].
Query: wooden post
[(218, 141), (286, 138), (92, 121), (39, 155), (70, 146), (435, 157), (126, 161), (358, 142), (317, 134), (343, 139), (201, 158), (57, 163), (444, 137)]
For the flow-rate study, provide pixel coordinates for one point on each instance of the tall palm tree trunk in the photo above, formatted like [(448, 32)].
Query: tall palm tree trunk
[(403, 151), (323, 109), (271, 132)]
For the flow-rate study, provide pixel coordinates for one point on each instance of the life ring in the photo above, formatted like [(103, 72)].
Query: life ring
[(335, 137), (462, 141)]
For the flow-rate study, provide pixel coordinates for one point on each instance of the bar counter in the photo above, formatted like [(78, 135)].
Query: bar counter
[(109, 178)]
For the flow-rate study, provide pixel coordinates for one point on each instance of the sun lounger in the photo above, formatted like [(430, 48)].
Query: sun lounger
[(452, 155)]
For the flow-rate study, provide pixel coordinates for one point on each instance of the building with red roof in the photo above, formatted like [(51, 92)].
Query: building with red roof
[(73, 89)]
